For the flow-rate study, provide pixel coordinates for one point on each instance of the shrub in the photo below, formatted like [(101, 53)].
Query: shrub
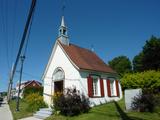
[(71, 102), (30, 90), (35, 101), (147, 79), (146, 102)]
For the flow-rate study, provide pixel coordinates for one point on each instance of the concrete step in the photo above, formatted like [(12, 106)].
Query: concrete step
[(46, 109), (41, 116), (43, 113)]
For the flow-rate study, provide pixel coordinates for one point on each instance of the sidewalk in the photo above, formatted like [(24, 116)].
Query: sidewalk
[(29, 118), (5, 113)]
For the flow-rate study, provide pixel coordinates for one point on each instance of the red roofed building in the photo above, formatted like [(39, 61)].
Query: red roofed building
[(72, 66), (27, 84)]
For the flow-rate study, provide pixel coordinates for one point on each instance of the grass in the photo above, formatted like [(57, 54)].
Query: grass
[(102, 112), (22, 107), (110, 111)]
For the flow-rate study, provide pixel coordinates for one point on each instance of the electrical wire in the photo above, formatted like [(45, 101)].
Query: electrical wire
[(4, 9), (7, 35), (14, 29), (31, 75), (28, 35)]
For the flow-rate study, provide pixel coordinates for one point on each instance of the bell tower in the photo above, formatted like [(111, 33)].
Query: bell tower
[(63, 36)]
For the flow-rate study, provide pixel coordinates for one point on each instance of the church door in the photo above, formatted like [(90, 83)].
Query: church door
[(58, 86)]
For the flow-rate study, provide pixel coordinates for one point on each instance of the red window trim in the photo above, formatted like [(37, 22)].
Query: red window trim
[(90, 86), (102, 87), (109, 88), (117, 88)]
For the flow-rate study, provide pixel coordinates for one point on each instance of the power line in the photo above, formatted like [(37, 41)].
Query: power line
[(14, 28), (31, 75), (4, 9), (7, 35), (31, 11), (28, 36)]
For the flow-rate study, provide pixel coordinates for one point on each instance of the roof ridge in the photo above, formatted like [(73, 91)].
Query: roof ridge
[(85, 58), (77, 46), (82, 47)]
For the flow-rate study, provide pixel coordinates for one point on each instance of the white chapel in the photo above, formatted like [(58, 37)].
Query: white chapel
[(72, 66)]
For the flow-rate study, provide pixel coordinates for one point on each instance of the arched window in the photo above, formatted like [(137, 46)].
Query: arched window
[(58, 74)]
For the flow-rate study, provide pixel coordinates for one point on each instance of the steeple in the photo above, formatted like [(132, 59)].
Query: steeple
[(62, 22), (63, 37)]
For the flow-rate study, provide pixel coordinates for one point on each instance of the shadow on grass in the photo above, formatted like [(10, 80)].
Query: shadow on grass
[(123, 115)]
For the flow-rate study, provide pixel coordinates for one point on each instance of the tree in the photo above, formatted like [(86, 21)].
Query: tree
[(151, 54), (121, 65), (149, 57), (137, 63)]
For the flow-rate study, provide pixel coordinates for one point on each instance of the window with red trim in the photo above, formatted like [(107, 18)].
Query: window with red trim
[(95, 86), (113, 87)]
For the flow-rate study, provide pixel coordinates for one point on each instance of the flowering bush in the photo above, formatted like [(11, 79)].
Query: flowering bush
[(35, 101), (71, 102), (30, 90), (146, 102)]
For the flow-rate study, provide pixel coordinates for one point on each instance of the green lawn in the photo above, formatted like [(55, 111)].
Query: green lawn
[(110, 111), (22, 113)]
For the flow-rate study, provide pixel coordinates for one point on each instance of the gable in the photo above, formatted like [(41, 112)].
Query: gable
[(33, 83), (80, 58), (60, 59)]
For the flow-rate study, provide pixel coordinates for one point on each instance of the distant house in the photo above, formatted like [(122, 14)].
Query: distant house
[(73, 66), (27, 84)]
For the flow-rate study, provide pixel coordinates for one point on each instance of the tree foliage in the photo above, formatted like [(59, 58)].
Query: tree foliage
[(148, 79), (151, 51), (149, 57), (30, 90), (137, 63), (121, 64), (35, 101)]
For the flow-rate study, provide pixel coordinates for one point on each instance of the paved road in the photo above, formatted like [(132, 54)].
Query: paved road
[(5, 113)]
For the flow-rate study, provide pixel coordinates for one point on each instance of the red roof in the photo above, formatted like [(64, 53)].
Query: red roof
[(36, 82), (86, 59)]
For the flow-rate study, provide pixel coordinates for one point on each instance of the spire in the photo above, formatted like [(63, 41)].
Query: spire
[(63, 37), (62, 22)]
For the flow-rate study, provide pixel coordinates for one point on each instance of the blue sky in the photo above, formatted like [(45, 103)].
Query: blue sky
[(113, 27)]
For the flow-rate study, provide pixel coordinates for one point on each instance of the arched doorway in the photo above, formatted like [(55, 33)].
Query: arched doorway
[(58, 79)]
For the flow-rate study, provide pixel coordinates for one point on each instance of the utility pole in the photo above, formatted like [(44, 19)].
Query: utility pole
[(20, 79), (31, 11), (9, 85)]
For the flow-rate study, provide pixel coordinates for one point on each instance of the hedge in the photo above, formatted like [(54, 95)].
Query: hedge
[(148, 79)]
